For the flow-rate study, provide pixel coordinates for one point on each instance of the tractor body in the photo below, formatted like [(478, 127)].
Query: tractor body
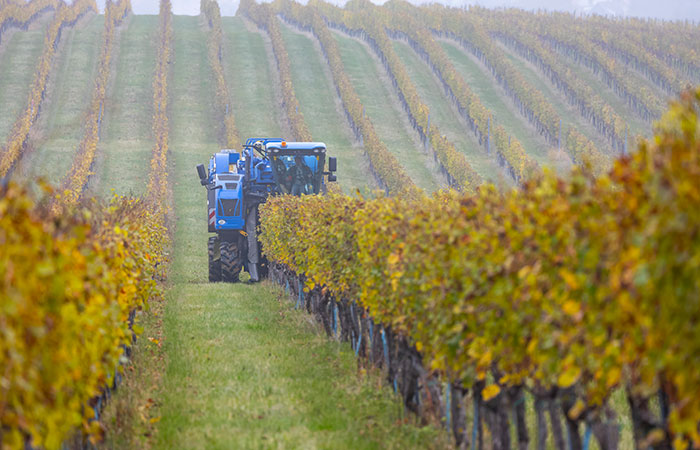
[(238, 182)]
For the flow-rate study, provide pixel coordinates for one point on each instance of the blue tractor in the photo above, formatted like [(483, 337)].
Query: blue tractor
[(237, 183)]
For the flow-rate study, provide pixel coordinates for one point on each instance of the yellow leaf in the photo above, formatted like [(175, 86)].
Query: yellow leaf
[(490, 392), (569, 377), (569, 279), (576, 410), (393, 259), (572, 308), (419, 346), (613, 377), (154, 420)]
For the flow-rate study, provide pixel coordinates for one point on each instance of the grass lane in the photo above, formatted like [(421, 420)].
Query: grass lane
[(127, 139), (317, 98), (382, 107), (443, 114), (249, 78), (62, 121), (245, 370), (18, 63), (494, 98)]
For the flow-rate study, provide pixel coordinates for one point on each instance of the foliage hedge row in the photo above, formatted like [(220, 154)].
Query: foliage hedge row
[(589, 103), (158, 193), (71, 281), (264, 17), (65, 16), (210, 9), (372, 23), (74, 184), (585, 284), (384, 165), (509, 151)]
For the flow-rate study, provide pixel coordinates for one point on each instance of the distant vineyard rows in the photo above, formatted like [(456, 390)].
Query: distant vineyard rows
[(64, 16)]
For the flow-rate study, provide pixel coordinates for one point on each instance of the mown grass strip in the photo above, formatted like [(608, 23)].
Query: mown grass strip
[(249, 79), (127, 135)]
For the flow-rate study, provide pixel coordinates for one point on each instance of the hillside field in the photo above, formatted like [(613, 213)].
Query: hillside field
[(487, 111)]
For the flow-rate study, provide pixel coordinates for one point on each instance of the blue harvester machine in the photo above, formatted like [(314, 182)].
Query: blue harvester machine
[(237, 183)]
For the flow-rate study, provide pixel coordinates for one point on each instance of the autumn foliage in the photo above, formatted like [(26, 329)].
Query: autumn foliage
[(587, 284), (70, 285)]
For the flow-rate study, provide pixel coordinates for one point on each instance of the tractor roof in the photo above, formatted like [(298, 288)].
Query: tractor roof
[(296, 146)]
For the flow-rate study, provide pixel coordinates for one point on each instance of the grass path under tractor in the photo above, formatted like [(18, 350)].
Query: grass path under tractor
[(62, 123), (384, 110), (249, 79), (445, 117), (244, 370), (126, 141), (18, 63), (321, 108), (495, 99)]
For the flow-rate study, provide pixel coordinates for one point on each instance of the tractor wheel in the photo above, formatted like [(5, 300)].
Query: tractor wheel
[(264, 268), (230, 261), (214, 259)]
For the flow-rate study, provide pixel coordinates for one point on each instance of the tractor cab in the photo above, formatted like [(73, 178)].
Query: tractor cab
[(298, 167)]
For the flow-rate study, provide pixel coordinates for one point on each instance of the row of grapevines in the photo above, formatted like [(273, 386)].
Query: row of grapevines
[(584, 152), (65, 16), (591, 106), (565, 35), (71, 282), (648, 47), (20, 15), (509, 151), (264, 17), (210, 9), (75, 181), (383, 164), (372, 25), (585, 284), (508, 148), (158, 187), (530, 101)]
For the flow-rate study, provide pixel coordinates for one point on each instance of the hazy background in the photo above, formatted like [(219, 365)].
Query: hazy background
[(664, 9)]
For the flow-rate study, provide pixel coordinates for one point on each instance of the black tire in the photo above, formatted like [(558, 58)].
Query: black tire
[(230, 262), (214, 259), (263, 268)]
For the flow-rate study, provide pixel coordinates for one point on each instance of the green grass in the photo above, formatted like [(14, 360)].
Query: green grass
[(317, 98), (18, 62), (243, 369), (62, 121), (445, 117), (568, 114), (250, 81), (381, 106), (494, 98), (126, 142)]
